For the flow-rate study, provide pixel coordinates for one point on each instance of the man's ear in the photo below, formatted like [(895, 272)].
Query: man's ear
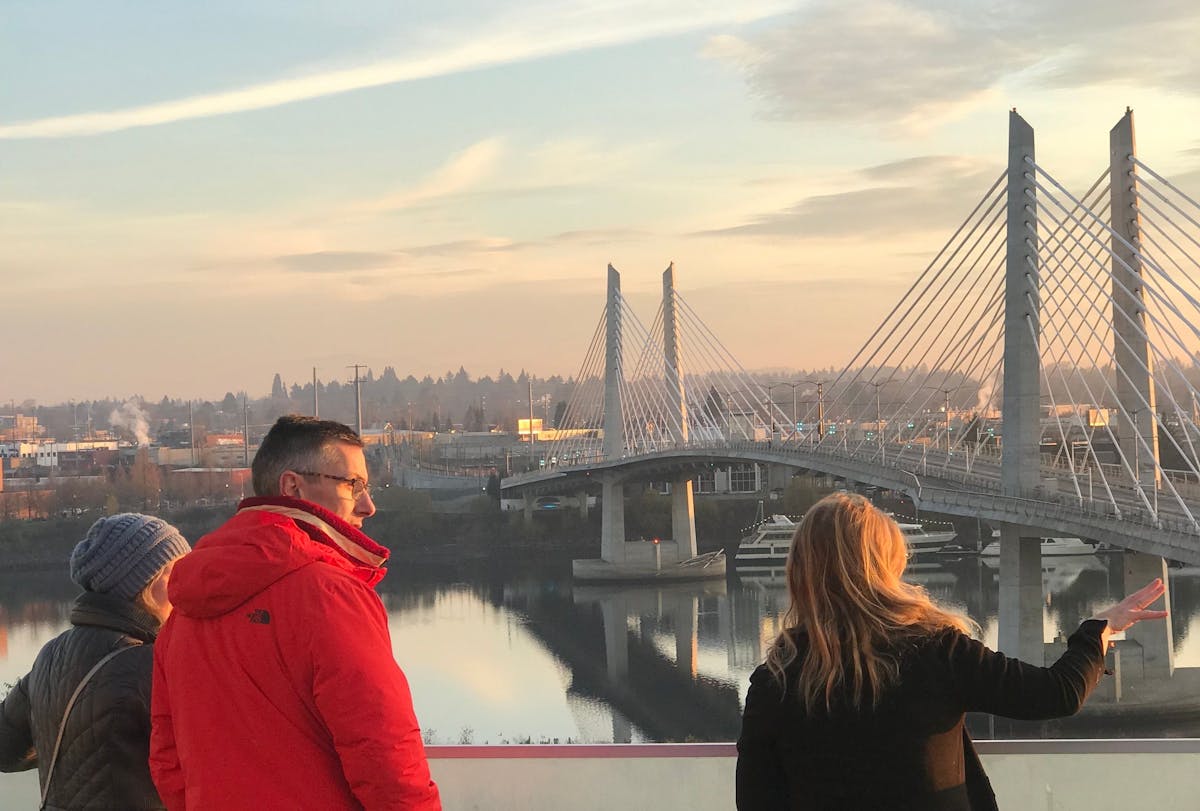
[(289, 484)]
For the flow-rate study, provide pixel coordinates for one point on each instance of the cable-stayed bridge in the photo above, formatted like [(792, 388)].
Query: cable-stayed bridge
[(1042, 373)]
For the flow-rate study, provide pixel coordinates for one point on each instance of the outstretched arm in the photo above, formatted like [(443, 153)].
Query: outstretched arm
[(988, 681)]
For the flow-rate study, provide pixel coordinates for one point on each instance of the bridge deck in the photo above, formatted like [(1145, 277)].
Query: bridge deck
[(954, 482)]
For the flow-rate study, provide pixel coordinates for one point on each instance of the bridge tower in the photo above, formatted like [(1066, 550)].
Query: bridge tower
[(1020, 632), (683, 508), (612, 517), (1135, 379), (621, 559)]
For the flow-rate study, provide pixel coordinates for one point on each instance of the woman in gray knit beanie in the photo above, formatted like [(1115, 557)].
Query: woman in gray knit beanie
[(123, 565), (125, 555)]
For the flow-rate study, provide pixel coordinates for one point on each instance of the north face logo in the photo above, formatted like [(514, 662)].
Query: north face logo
[(261, 616)]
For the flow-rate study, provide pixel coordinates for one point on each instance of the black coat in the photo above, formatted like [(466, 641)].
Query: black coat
[(102, 762), (910, 752)]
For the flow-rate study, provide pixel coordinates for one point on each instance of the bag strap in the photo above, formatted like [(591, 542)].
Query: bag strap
[(62, 727)]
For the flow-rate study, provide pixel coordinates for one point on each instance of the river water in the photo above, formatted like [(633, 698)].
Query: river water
[(512, 651)]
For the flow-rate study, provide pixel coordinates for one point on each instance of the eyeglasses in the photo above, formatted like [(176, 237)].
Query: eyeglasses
[(357, 486)]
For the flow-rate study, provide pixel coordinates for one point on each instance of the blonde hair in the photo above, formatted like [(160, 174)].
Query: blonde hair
[(843, 575), (147, 598)]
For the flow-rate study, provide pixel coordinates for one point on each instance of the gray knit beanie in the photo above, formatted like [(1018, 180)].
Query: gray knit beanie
[(122, 553)]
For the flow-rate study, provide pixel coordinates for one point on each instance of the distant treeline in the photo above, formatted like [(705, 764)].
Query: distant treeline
[(416, 528)]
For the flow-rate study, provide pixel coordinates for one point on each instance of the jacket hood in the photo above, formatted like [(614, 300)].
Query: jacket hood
[(266, 540)]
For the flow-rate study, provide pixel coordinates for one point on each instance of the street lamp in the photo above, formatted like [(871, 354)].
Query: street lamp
[(792, 384), (879, 417), (532, 436), (820, 406), (946, 406)]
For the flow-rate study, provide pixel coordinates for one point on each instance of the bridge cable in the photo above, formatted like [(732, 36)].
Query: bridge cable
[(920, 279), (1154, 417), (914, 311)]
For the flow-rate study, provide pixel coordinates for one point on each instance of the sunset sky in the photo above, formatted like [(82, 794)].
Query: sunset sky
[(195, 196)]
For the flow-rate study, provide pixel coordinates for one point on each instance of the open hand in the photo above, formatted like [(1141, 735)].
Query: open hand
[(1133, 608)]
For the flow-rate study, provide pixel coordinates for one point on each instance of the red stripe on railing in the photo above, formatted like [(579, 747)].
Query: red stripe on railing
[(559, 751)]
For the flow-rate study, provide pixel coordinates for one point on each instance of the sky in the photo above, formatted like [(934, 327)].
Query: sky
[(196, 196)]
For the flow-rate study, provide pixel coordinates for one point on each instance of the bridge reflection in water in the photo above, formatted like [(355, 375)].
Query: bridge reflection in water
[(670, 663)]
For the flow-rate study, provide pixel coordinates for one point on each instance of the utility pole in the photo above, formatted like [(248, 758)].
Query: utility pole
[(820, 407), (821, 410), (531, 433), (946, 410), (192, 432), (794, 417), (245, 430), (316, 397), (358, 426)]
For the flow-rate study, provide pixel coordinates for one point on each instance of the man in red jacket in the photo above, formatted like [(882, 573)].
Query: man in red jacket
[(274, 681)]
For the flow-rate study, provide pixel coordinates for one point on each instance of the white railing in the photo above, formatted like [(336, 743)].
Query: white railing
[(1071, 775), (1065, 775)]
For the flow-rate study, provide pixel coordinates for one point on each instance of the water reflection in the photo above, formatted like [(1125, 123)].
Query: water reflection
[(514, 651), (653, 676)]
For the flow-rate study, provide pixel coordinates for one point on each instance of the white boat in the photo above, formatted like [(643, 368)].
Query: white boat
[(919, 539), (1051, 547), (768, 545)]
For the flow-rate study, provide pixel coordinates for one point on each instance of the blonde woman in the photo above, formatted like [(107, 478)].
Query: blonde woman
[(860, 702)]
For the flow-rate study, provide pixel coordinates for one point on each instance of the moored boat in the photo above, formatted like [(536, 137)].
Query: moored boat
[(1051, 547), (767, 546), (920, 539)]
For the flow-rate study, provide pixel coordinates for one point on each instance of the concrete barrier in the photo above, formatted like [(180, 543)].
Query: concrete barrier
[(1054, 775)]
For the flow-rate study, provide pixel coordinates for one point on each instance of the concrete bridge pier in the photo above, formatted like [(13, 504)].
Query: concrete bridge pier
[(612, 520), (683, 518), (582, 497), (779, 476), (1155, 638), (1021, 599), (527, 507)]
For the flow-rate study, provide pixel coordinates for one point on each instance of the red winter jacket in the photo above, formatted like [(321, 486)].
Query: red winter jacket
[(274, 681)]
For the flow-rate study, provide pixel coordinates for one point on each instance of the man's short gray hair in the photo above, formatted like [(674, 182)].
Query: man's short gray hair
[(296, 442)]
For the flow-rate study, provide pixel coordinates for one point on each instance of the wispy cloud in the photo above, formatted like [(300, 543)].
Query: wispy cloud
[(335, 261), (461, 247), (600, 236), (457, 174), (906, 196), (541, 32)]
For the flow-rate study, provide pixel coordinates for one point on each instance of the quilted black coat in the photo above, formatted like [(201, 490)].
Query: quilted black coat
[(908, 752), (102, 762)]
